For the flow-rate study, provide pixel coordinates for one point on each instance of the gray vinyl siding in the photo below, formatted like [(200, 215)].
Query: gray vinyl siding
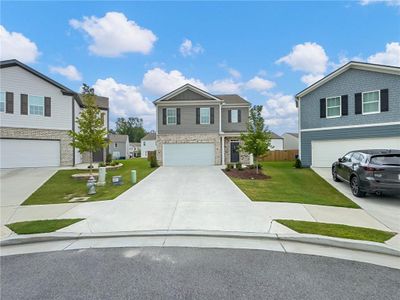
[(188, 95), (350, 82), (234, 127), (122, 148), (346, 133), (188, 121)]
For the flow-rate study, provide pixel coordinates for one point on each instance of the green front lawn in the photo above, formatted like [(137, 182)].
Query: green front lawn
[(288, 184), (61, 187), (41, 226), (338, 230)]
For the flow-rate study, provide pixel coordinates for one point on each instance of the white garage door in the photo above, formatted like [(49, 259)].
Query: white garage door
[(189, 154), (324, 153), (17, 153)]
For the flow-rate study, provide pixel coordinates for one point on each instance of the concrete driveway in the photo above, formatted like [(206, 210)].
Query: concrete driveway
[(384, 208), (16, 186), (174, 198)]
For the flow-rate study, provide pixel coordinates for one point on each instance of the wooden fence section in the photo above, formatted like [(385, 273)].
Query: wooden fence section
[(279, 155)]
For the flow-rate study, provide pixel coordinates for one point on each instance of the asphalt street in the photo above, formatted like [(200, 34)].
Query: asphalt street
[(191, 273)]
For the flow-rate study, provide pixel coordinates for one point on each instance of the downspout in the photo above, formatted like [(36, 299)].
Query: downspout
[(298, 125), (73, 129)]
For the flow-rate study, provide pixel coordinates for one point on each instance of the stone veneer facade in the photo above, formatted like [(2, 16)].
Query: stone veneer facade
[(66, 155), (244, 157)]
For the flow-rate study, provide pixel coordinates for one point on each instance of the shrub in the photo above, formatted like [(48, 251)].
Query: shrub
[(153, 162), (254, 166), (227, 169), (108, 158), (229, 166), (113, 163), (101, 164), (239, 166), (297, 163)]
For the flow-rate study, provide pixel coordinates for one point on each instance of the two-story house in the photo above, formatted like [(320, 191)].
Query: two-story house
[(36, 114), (147, 144), (355, 107), (194, 127)]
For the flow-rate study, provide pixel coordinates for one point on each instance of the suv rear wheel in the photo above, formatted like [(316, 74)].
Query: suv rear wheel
[(355, 187)]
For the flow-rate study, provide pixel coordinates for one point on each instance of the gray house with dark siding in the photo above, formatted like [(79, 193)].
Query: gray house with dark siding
[(355, 107)]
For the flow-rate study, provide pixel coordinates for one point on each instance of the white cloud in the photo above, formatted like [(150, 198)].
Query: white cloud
[(70, 71), (234, 73), (309, 79), (188, 49), (15, 45), (224, 86), (280, 111), (307, 57), (114, 35), (391, 56), (387, 2), (259, 84), (159, 82), (125, 101)]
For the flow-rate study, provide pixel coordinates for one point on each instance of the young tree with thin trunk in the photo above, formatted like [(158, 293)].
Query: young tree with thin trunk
[(257, 139), (92, 134)]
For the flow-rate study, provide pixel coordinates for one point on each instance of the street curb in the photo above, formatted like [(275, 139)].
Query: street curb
[(303, 238)]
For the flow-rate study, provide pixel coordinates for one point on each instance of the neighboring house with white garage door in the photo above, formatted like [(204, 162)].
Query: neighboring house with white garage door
[(148, 143), (195, 127), (355, 107), (36, 114), (276, 142)]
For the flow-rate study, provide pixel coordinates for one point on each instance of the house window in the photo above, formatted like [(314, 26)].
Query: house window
[(333, 107), (36, 105), (371, 102), (2, 101), (234, 116), (171, 116), (115, 145), (144, 143), (204, 115), (103, 118)]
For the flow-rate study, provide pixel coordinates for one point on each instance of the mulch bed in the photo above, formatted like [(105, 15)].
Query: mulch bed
[(247, 174)]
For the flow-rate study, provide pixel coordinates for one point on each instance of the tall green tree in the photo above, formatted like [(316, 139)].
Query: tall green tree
[(133, 127), (92, 134), (257, 139)]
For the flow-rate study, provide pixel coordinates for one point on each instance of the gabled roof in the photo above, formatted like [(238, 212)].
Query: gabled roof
[(349, 65), (149, 137), (183, 88), (275, 136), (14, 62), (118, 138), (101, 102), (233, 99)]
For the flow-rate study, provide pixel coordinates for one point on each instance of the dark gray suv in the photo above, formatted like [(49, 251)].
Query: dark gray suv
[(369, 171)]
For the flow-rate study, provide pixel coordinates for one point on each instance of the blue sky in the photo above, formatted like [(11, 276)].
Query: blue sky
[(135, 52)]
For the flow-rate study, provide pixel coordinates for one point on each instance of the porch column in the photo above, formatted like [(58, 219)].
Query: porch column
[(223, 150)]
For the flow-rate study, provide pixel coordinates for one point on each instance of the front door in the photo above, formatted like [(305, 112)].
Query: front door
[(234, 152)]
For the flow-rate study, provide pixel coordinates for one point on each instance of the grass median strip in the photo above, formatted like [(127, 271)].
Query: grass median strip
[(288, 184), (338, 230), (41, 226), (61, 187)]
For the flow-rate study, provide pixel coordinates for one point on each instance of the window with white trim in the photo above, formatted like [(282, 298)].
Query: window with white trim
[(371, 102), (204, 115), (333, 107), (2, 101), (234, 116), (171, 116), (36, 105)]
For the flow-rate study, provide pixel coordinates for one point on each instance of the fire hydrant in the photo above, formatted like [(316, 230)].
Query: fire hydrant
[(91, 185)]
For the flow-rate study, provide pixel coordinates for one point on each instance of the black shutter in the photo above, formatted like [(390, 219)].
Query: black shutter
[(385, 100), (358, 103), (197, 115), (211, 115), (229, 116), (178, 116), (24, 104), (9, 103), (239, 115), (47, 106), (322, 108), (345, 105), (164, 116)]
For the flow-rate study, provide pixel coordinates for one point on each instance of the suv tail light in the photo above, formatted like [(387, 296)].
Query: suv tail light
[(372, 169)]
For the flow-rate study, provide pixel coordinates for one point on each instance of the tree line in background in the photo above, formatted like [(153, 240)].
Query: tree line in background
[(132, 127)]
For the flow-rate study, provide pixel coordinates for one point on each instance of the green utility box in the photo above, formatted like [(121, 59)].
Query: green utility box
[(133, 176)]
